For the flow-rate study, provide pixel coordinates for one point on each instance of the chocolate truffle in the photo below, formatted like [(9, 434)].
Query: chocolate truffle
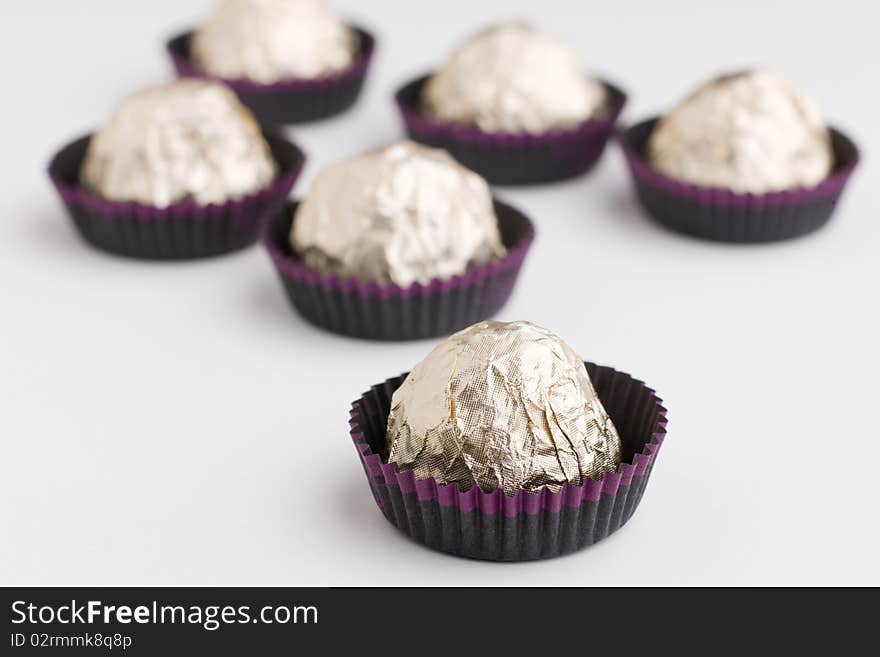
[(270, 40), (185, 140), (513, 78), (402, 213), (749, 132), (503, 406)]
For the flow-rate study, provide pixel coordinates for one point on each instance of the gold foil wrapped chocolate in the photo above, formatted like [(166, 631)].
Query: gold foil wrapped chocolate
[(513, 78), (186, 140), (749, 132), (270, 40), (403, 213), (503, 406)]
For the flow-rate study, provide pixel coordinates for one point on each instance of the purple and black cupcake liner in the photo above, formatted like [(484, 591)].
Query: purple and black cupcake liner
[(294, 100), (389, 312), (184, 230), (727, 216), (525, 526), (513, 158)]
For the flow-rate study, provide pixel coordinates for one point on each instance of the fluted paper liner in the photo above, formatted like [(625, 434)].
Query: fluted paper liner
[(525, 526), (728, 216), (293, 100), (182, 230), (390, 312), (513, 158)]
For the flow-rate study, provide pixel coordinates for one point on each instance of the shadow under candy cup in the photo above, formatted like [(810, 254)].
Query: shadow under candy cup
[(292, 100), (525, 526), (513, 158), (183, 230), (727, 216), (389, 312)]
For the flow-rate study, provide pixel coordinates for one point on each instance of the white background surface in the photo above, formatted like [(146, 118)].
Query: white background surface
[(178, 424)]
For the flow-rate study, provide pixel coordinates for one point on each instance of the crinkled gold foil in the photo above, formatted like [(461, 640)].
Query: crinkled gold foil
[(501, 405), (186, 140), (402, 213), (513, 78), (270, 40), (749, 132)]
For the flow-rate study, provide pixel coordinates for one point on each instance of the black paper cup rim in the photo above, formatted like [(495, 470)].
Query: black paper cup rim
[(241, 217), (352, 304), (726, 215), (513, 158), (295, 99), (499, 527)]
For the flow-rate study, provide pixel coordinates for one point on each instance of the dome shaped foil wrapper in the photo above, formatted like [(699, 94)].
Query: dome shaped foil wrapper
[(750, 132), (505, 406), (402, 213), (513, 78), (185, 140), (271, 40)]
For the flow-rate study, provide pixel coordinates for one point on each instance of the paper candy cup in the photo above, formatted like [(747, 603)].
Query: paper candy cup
[(727, 216), (498, 527), (390, 312), (294, 100), (513, 158), (183, 230)]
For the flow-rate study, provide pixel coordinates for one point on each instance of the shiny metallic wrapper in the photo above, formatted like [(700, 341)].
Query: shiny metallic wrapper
[(186, 140), (513, 78), (270, 40), (403, 213), (503, 406), (749, 132)]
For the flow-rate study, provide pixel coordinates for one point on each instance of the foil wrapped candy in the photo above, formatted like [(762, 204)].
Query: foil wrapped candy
[(750, 132), (403, 213), (503, 406), (271, 40), (185, 140), (513, 78)]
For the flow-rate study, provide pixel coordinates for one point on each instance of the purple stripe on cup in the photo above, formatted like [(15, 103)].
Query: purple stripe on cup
[(293, 267)]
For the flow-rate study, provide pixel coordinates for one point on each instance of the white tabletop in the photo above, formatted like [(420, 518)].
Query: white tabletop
[(178, 424)]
